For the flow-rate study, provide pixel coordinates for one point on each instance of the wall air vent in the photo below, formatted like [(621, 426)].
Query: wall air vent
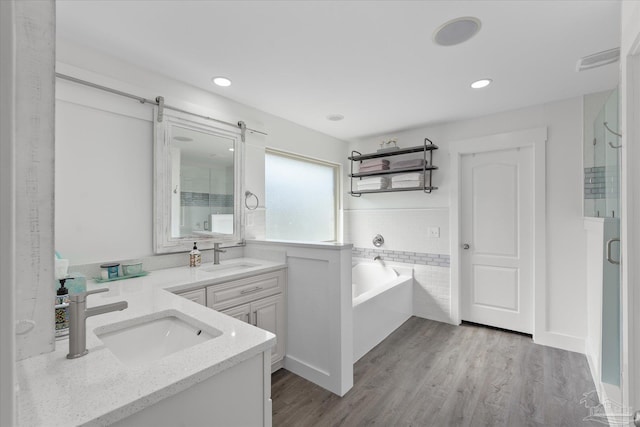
[(598, 59)]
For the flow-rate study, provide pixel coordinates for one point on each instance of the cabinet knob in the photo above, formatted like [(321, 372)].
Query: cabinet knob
[(466, 246)]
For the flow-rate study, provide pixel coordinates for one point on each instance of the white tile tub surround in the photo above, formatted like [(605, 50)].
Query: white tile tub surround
[(406, 230), (408, 242), (431, 289), (440, 260), (432, 293)]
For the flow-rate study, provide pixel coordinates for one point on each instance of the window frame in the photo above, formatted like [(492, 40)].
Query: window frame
[(337, 188)]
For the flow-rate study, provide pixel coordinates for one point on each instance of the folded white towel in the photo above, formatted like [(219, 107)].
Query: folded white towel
[(407, 184), (415, 176), (371, 187), (380, 180)]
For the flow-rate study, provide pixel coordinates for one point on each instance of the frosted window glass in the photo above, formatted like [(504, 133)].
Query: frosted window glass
[(300, 199)]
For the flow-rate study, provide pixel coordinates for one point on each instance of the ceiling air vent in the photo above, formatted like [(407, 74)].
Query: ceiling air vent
[(598, 59)]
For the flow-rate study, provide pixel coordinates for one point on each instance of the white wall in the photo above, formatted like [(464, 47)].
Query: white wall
[(566, 270), (105, 154)]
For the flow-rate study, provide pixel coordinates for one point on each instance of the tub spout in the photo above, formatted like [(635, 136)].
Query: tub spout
[(378, 258)]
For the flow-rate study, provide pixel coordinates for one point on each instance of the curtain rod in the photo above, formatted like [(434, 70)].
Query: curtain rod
[(159, 101)]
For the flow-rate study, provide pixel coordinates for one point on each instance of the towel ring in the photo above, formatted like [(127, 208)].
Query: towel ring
[(248, 194)]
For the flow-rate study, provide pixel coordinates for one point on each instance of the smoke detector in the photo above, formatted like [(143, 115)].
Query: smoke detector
[(598, 59)]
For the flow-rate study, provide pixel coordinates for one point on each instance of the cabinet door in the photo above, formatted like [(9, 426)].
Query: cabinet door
[(199, 296), (242, 312), (268, 314)]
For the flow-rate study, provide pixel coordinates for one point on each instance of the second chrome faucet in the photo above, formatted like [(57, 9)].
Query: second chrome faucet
[(216, 253)]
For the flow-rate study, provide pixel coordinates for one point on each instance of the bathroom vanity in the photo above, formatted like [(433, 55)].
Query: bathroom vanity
[(218, 373), (258, 300)]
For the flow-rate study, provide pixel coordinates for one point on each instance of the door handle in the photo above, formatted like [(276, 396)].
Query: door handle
[(466, 246), (609, 256)]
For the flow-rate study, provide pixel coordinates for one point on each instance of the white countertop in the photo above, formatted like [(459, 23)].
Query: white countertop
[(97, 389)]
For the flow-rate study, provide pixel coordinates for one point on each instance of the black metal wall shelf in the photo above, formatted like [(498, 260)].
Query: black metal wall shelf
[(427, 168)]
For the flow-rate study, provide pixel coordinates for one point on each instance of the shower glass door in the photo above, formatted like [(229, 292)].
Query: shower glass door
[(607, 153)]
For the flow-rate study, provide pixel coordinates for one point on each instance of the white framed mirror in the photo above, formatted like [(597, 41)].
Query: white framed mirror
[(198, 183)]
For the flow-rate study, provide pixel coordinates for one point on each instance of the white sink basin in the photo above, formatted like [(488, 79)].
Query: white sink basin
[(153, 337), (228, 267)]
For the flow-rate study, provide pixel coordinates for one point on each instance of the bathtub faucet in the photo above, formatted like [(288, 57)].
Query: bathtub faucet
[(378, 258)]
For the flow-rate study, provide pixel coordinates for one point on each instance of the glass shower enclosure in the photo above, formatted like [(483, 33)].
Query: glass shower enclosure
[(602, 200)]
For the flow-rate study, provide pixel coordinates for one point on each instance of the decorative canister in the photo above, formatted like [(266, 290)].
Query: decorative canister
[(109, 271)]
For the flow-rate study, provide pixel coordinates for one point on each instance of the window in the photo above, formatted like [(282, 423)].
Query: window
[(301, 198)]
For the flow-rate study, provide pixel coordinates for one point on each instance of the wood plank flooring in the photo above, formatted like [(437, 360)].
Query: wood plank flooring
[(433, 374)]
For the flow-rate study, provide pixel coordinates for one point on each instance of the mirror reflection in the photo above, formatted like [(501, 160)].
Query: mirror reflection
[(202, 182)]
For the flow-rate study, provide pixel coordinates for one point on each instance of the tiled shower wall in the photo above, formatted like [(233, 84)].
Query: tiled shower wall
[(409, 240)]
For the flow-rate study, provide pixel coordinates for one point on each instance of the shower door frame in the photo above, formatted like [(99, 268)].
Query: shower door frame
[(630, 229)]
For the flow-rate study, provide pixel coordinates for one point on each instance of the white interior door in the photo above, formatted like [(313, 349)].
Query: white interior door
[(497, 235)]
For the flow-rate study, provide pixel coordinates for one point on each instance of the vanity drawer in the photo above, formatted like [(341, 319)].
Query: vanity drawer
[(198, 296), (245, 290)]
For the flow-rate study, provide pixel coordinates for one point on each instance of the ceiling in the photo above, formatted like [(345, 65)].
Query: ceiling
[(372, 61)]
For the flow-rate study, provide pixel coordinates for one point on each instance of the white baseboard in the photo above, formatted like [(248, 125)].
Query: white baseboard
[(561, 341), (436, 318), (311, 373)]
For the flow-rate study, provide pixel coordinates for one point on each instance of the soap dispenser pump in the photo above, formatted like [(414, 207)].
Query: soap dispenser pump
[(195, 257), (62, 310)]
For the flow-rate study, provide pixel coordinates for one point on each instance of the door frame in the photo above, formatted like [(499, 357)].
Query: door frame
[(630, 231), (536, 139)]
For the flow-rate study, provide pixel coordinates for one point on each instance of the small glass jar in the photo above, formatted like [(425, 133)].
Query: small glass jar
[(109, 271)]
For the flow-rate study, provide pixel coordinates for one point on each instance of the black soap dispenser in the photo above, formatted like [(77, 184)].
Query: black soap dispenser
[(62, 310)]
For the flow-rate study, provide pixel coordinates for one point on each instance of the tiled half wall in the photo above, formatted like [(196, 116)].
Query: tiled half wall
[(440, 260), (409, 239)]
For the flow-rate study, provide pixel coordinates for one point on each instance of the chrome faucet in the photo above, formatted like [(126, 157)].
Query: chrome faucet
[(216, 253), (78, 313)]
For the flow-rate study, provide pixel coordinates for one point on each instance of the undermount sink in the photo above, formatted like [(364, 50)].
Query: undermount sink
[(227, 267), (153, 337)]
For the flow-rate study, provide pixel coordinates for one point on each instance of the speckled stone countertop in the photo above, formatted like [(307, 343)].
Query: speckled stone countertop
[(97, 389)]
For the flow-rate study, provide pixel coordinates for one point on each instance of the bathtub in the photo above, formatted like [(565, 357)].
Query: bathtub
[(382, 301)]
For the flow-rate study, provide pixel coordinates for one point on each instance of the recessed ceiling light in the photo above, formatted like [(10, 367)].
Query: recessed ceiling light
[(481, 83), (222, 81), (456, 31), (182, 138), (335, 117), (231, 149)]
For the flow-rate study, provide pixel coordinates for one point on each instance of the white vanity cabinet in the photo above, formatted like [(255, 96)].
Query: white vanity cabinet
[(268, 314), (198, 296), (257, 300)]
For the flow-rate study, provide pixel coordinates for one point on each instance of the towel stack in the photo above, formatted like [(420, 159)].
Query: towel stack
[(374, 165), (373, 183), (408, 180), (406, 164)]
